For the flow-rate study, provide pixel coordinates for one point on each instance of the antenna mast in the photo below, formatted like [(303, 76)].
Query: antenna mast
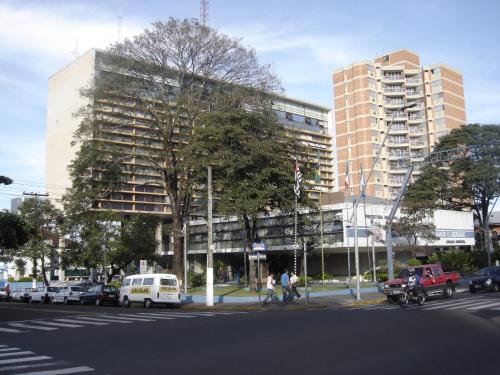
[(204, 12)]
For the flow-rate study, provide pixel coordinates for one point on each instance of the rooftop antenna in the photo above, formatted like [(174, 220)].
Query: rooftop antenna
[(204, 12)]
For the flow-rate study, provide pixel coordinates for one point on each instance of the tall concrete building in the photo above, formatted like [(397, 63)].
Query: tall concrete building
[(307, 122), (368, 95)]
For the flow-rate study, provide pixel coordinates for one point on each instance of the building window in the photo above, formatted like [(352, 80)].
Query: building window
[(289, 116), (386, 58)]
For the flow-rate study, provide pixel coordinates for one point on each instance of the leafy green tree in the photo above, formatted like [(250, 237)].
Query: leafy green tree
[(13, 235), (21, 266), (468, 182), (176, 71), (41, 219), (414, 224), (252, 162)]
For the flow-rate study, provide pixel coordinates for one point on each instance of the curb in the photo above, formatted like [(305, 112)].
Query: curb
[(369, 302)]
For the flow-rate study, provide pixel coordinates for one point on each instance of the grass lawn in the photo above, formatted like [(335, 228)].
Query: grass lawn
[(239, 290)]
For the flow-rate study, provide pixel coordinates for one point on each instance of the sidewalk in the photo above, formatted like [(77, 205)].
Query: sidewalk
[(344, 297)]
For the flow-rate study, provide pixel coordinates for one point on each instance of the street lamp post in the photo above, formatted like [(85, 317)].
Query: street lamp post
[(362, 193)]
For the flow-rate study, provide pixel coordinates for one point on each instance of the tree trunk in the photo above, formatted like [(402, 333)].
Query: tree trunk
[(45, 281), (250, 235), (177, 268)]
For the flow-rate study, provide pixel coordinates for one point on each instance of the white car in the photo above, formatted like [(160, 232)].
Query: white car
[(43, 294), (4, 296), (22, 295), (68, 294)]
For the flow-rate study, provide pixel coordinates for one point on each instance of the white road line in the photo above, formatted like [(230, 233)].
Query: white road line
[(72, 370), (176, 315), (133, 318), (10, 330), (445, 305), (156, 316), (107, 320), (25, 359), (9, 349), (65, 325), (12, 354), (3, 346), (463, 305), (38, 365), (80, 322), (484, 306), (23, 325)]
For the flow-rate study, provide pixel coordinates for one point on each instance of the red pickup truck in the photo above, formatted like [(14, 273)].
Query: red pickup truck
[(438, 282)]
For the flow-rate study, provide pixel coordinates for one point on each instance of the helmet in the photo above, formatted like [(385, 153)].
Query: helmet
[(411, 271)]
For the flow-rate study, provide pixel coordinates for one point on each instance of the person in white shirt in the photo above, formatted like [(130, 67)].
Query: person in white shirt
[(294, 282), (270, 288)]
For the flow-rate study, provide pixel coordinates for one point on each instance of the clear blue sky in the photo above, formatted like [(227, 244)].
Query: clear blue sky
[(304, 41)]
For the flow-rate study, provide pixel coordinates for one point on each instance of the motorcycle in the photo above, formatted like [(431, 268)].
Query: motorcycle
[(411, 294)]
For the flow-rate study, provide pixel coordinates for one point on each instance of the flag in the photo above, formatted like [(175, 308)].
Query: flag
[(346, 180), (298, 180), (362, 183)]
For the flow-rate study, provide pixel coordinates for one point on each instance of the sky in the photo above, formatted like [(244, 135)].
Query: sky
[(303, 41)]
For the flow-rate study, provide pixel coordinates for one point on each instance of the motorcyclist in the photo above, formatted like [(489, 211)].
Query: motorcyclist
[(413, 280)]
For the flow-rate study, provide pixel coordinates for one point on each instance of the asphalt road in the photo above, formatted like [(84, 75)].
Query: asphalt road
[(458, 336)]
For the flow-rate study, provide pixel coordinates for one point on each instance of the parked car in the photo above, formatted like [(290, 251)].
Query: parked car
[(149, 289), (68, 294), (487, 278), (4, 294), (438, 282), (42, 294), (100, 294), (22, 295)]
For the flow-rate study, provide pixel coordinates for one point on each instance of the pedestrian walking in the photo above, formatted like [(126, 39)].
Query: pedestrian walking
[(270, 289), (285, 285), (294, 283)]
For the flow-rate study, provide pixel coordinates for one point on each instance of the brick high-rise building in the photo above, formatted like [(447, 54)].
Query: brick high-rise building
[(367, 96)]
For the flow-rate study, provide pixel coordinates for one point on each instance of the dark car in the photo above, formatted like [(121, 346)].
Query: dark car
[(100, 294), (487, 278)]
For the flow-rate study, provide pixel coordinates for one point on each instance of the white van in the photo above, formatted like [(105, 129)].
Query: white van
[(149, 289)]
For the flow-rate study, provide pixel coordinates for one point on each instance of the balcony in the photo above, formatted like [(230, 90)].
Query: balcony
[(393, 77), (413, 94), (398, 155), (416, 132), (417, 107), (418, 144), (413, 81), (395, 181), (393, 91), (415, 119), (398, 130)]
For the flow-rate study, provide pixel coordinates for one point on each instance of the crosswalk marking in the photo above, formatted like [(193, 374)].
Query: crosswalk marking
[(8, 349), (156, 316), (177, 315), (80, 322), (72, 370), (10, 330), (133, 318), (484, 306), (464, 305), (24, 359), (66, 325), (20, 367), (108, 320), (25, 362), (453, 304), (15, 353), (24, 325)]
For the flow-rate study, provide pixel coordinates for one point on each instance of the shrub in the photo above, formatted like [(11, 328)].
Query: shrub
[(197, 279), (115, 283), (414, 262), (453, 260), (302, 280)]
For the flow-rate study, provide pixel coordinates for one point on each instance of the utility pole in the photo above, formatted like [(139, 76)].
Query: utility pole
[(210, 256), (362, 193)]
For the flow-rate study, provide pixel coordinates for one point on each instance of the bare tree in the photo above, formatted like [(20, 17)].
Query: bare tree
[(162, 81)]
